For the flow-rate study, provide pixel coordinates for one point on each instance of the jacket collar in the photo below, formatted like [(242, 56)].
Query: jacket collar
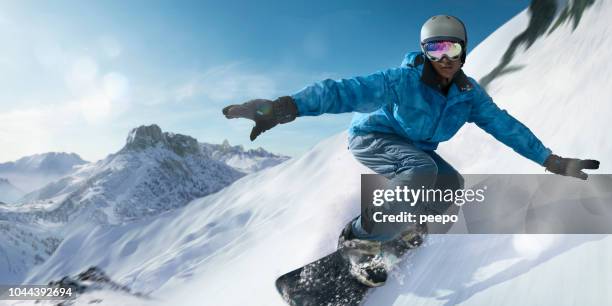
[(429, 77)]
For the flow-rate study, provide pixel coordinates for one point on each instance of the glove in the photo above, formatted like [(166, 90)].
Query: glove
[(570, 166), (266, 113)]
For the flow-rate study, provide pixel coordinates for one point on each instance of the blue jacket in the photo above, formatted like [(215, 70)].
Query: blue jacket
[(407, 101)]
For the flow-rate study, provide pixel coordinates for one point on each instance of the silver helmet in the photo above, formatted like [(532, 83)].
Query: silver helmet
[(443, 27)]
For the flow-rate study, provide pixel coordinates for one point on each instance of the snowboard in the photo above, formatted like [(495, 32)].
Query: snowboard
[(326, 281)]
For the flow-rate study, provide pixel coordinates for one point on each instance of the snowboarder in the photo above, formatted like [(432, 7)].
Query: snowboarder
[(401, 116)]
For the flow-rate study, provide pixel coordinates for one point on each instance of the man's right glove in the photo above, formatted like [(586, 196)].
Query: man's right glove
[(570, 166), (266, 113)]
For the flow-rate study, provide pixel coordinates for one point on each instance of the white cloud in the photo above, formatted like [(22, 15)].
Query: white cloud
[(99, 96), (96, 107), (49, 54), (107, 97), (115, 85), (28, 131), (228, 83), (110, 46), (83, 71)]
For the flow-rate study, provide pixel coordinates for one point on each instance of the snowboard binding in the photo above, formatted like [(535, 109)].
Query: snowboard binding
[(370, 260)]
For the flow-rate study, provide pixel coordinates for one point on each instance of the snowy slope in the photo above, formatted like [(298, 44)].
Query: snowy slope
[(32, 172), (22, 247), (560, 91), (227, 248)]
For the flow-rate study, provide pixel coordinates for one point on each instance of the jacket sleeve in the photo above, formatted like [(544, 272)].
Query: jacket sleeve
[(505, 128), (360, 94)]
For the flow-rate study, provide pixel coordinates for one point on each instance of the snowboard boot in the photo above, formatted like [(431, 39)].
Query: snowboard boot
[(407, 240), (364, 256)]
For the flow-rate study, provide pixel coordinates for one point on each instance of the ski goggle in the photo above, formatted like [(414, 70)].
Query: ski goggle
[(436, 50)]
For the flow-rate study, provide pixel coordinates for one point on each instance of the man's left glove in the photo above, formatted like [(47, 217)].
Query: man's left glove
[(570, 166), (266, 113)]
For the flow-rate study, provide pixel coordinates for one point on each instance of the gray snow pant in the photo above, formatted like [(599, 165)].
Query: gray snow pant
[(400, 161)]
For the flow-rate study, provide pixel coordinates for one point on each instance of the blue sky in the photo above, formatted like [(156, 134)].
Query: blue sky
[(78, 75)]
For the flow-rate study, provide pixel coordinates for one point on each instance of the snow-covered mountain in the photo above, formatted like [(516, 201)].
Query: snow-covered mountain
[(32, 172), (154, 172), (228, 248), (247, 161), (8, 192), (23, 246), (47, 163)]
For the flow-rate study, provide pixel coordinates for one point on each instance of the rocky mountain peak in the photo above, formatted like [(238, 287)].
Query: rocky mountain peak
[(144, 137)]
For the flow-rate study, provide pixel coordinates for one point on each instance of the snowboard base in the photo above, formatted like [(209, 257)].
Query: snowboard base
[(326, 281)]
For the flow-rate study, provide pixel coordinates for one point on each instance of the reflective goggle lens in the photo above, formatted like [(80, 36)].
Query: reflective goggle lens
[(435, 50)]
